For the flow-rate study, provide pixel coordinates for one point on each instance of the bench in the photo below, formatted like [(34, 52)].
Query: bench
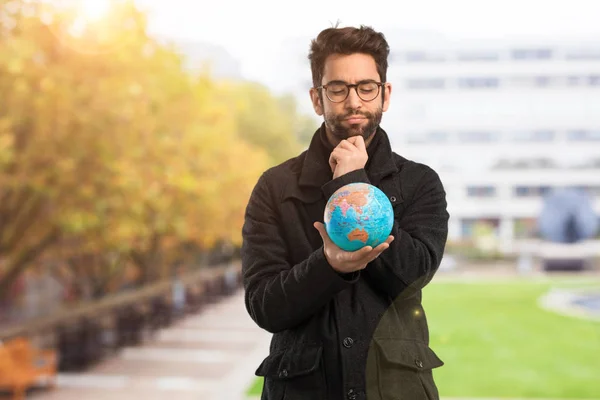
[(22, 366)]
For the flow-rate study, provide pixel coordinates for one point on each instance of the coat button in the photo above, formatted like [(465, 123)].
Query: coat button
[(351, 395), (393, 199), (283, 373), (348, 342), (419, 363)]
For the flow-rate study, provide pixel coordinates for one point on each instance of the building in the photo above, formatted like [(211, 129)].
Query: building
[(504, 122)]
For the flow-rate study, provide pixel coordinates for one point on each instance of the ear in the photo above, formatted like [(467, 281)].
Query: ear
[(316, 101), (387, 89)]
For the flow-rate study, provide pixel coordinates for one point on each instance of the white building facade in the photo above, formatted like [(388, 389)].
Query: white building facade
[(504, 123)]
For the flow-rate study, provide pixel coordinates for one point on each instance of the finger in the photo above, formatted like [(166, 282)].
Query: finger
[(339, 152), (347, 145), (374, 253), (359, 142), (332, 162), (381, 248), (354, 256), (389, 239), (337, 156)]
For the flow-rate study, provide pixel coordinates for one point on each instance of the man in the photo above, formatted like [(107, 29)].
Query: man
[(346, 325)]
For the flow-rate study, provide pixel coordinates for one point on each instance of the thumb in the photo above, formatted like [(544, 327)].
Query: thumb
[(322, 231)]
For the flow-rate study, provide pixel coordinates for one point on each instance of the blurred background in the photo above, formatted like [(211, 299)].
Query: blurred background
[(131, 136)]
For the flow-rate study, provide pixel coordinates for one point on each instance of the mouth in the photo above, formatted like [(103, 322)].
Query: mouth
[(354, 120)]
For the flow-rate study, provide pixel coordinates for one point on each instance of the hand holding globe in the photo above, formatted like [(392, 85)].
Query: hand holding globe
[(358, 221)]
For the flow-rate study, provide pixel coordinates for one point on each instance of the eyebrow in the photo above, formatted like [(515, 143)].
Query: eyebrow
[(345, 83)]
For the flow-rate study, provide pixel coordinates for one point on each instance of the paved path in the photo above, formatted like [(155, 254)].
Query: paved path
[(209, 356)]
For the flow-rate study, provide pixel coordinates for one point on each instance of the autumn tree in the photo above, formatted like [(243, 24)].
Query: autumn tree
[(112, 152)]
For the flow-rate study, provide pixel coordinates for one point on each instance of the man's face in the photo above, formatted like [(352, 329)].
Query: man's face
[(355, 115)]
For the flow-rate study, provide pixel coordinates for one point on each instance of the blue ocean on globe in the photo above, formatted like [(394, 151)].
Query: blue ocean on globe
[(358, 215)]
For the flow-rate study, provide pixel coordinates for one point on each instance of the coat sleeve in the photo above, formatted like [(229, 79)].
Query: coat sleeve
[(278, 295), (420, 235)]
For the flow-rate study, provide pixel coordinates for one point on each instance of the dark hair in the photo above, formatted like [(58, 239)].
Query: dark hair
[(348, 40)]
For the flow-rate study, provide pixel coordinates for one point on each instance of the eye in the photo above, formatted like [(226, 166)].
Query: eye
[(367, 88)]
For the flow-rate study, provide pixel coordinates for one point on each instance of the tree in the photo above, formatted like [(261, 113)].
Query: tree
[(263, 120), (112, 152)]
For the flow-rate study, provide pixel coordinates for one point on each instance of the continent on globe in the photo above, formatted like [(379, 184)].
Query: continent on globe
[(356, 199), (358, 215), (358, 234)]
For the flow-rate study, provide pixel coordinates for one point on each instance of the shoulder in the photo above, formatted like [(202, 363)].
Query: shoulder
[(276, 177), (413, 171), (283, 172)]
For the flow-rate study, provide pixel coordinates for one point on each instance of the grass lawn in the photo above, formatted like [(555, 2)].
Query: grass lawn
[(496, 342)]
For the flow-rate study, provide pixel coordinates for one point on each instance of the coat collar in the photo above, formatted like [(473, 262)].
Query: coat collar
[(315, 171)]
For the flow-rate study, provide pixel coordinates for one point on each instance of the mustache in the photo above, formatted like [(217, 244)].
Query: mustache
[(354, 114)]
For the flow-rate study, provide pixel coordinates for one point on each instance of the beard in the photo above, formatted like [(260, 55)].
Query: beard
[(340, 129)]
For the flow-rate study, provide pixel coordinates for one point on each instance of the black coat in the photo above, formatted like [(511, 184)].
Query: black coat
[(358, 336)]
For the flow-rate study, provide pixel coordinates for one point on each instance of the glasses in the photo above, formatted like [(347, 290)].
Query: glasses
[(337, 92)]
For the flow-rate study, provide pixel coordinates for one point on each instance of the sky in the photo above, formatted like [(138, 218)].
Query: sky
[(253, 30)]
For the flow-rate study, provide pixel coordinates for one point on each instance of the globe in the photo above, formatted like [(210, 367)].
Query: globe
[(358, 215)]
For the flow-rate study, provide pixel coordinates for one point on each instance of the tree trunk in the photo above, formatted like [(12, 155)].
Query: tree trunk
[(24, 260)]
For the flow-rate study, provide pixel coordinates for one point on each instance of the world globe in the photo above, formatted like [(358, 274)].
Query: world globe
[(358, 215)]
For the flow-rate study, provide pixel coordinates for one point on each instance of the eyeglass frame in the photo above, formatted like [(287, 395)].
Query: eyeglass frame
[(350, 86)]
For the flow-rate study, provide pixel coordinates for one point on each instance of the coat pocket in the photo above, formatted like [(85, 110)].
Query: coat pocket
[(404, 370), (294, 374)]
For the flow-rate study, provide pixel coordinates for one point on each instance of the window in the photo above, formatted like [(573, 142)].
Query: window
[(532, 54), (583, 54), (582, 135), (534, 163), (434, 83), (421, 56), (481, 191), (591, 80), (534, 136), (427, 137), (531, 191), (525, 228), (471, 227), (478, 56), (437, 137), (478, 82), (575, 81), (542, 81), (478, 136)]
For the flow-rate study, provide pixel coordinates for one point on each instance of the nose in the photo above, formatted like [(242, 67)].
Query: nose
[(353, 102)]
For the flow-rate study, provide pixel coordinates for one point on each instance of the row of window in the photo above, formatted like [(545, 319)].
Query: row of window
[(523, 228), (545, 163), (490, 191), (483, 136), (522, 54), (492, 82)]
